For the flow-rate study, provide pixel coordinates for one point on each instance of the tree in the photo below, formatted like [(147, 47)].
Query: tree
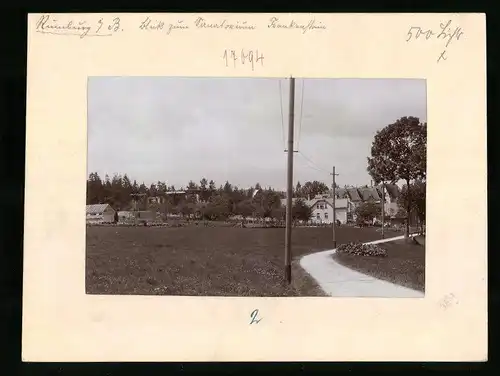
[(245, 208), (192, 185), (205, 192), (278, 213), (211, 185), (95, 189), (366, 211), (417, 203), (301, 211), (311, 189), (298, 189), (398, 152), (203, 184), (218, 208), (161, 188), (184, 209), (228, 188)]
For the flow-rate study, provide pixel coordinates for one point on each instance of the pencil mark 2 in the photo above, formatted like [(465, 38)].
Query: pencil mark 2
[(254, 315)]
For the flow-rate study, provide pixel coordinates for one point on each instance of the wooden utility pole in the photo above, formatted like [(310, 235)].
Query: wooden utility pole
[(289, 188), (334, 210), (383, 209)]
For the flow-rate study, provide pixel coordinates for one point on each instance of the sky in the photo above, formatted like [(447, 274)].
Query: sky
[(176, 129)]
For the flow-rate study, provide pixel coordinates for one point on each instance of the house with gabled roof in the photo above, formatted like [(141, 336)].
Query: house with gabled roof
[(359, 195), (99, 213)]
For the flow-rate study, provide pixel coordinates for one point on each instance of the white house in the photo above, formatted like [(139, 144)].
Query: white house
[(100, 213), (322, 209)]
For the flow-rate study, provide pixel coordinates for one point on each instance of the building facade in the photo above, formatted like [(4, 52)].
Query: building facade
[(322, 210)]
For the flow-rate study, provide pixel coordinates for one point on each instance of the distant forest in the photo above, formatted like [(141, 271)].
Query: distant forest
[(215, 202)]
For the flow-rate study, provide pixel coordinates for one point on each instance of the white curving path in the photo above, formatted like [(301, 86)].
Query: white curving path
[(340, 281)]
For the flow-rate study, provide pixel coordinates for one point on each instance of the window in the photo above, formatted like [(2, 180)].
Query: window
[(317, 216), (317, 206), (326, 215)]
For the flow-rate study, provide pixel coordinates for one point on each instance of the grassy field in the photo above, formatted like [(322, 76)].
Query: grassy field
[(213, 261), (404, 264)]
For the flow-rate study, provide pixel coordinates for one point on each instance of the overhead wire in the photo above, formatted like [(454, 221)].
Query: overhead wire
[(282, 117), (301, 113), (313, 165), (310, 163)]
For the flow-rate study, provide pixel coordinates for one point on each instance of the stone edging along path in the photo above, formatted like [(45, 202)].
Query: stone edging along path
[(340, 281)]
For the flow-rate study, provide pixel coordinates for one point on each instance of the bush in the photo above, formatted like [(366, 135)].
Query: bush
[(359, 249)]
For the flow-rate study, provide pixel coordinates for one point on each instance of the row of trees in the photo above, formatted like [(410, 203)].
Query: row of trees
[(399, 152), (213, 203)]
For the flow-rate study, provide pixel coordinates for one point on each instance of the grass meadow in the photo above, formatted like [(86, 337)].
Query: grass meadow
[(204, 261)]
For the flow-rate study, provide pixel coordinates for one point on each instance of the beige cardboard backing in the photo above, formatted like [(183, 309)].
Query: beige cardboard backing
[(61, 323)]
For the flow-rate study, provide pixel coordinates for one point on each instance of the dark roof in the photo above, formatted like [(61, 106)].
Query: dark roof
[(341, 192), (393, 190), (358, 194), (354, 194), (369, 193)]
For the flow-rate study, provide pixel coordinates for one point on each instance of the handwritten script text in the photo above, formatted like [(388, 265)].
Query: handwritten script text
[(446, 32), (48, 24), (157, 25), (110, 25), (275, 23)]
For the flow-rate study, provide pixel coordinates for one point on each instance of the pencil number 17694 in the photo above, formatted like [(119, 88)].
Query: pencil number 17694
[(243, 57)]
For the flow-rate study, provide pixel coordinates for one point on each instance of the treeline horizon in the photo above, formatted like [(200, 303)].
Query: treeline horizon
[(216, 202)]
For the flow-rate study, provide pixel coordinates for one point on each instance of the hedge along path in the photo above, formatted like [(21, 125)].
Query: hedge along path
[(339, 281)]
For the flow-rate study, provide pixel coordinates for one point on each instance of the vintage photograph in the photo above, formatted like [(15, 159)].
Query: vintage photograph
[(256, 187)]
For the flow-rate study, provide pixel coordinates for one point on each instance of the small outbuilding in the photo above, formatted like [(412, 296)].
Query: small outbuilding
[(100, 213)]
